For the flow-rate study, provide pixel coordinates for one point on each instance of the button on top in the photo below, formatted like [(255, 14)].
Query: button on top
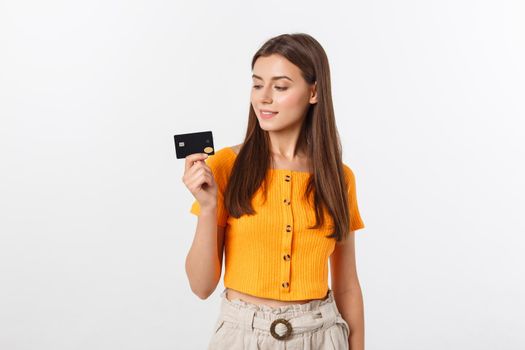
[(288, 228), (287, 179)]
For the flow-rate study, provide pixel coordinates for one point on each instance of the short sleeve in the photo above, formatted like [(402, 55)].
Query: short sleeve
[(219, 165), (222, 216), (356, 222)]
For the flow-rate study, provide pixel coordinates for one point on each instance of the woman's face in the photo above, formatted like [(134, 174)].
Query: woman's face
[(279, 87)]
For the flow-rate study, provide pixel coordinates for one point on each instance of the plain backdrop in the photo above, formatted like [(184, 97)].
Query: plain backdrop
[(94, 216)]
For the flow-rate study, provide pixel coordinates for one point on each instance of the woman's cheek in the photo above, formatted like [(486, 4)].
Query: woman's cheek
[(290, 102)]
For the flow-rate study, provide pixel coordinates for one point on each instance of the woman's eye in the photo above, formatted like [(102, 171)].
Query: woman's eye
[(280, 88)]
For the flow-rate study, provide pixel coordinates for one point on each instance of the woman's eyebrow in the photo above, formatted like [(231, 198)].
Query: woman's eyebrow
[(273, 78)]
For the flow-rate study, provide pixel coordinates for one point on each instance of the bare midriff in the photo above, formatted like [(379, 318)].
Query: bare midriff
[(234, 294)]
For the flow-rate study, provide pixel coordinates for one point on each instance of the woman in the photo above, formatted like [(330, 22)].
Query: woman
[(279, 206)]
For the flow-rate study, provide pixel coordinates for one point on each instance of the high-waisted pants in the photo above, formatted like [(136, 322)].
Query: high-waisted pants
[(315, 325)]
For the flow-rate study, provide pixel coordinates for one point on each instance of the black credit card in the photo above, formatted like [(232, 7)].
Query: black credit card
[(196, 142)]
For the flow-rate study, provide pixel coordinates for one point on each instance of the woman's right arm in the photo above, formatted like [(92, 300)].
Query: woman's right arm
[(204, 259)]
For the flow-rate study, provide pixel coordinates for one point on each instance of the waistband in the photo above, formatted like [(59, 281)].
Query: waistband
[(282, 321)]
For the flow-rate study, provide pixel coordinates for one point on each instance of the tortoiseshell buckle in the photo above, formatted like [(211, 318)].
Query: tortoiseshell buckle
[(288, 328)]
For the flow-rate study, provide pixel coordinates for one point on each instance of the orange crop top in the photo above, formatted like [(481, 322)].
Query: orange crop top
[(273, 254)]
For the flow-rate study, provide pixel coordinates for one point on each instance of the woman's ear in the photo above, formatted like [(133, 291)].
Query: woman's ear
[(313, 95)]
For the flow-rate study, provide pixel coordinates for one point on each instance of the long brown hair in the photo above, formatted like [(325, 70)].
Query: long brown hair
[(319, 137)]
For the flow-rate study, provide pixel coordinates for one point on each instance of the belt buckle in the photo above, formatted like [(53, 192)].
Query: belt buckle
[(288, 328)]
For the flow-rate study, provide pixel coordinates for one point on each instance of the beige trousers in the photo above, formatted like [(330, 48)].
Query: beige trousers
[(316, 325)]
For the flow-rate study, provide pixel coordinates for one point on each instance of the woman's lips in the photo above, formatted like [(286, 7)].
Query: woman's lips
[(268, 115)]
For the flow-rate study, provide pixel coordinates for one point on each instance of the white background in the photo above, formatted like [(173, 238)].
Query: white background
[(95, 223)]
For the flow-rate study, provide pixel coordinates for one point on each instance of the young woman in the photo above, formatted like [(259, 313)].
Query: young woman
[(278, 206)]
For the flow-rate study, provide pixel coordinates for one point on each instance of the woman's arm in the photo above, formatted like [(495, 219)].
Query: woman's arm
[(347, 291), (204, 260)]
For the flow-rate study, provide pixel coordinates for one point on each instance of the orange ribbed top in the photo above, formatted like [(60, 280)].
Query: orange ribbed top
[(273, 254)]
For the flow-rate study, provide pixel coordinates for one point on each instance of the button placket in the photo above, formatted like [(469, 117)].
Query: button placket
[(286, 243)]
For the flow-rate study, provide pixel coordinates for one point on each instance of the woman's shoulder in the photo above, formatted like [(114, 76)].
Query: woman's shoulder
[(235, 148), (347, 170), (349, 177), (222, 160), (226, 152)]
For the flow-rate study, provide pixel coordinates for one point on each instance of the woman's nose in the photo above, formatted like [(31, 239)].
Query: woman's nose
[(266, 95)]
